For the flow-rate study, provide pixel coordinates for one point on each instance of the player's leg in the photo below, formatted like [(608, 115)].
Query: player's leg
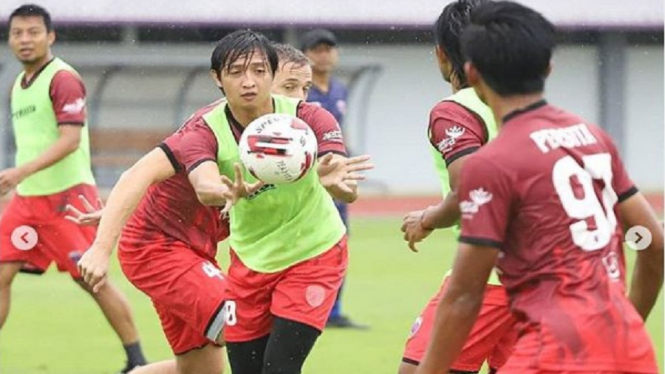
[(205, 360), (8, 271), (289, 345), (118, 313), (247, 357), (301, 303), (188, 293), (19, 248), (247, 336), (64, 242), (416, 344)]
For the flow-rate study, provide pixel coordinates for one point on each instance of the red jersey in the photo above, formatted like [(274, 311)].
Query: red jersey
[(544, 192), (449, 117), (171, 211)]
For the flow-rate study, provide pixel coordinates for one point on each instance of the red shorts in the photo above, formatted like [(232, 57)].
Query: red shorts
[(187, 290), (305, 293), (33, 230), (491, 339)]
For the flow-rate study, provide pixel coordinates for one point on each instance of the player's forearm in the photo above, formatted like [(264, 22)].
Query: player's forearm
[(121, 204), (454, 319), (445, 214), (211, 194), (647, 278), (62, 148)]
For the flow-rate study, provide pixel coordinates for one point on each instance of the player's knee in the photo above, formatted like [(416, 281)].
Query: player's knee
[(7, 274)]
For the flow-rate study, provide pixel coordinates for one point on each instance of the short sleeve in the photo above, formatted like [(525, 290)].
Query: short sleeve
[(68, 97), (486, 197), (455, 131), (325, 126), (621, 183), (190, 146)]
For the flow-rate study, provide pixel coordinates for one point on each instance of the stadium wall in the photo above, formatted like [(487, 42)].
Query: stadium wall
[(397, 111)]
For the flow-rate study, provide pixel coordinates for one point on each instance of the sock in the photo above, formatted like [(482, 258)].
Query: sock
[(134, 354)]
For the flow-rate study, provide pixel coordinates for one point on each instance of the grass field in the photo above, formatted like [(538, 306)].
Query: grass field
[(55, 328)]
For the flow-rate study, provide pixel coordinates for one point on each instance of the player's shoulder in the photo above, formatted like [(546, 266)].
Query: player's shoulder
[(448, 111), (197, 120)]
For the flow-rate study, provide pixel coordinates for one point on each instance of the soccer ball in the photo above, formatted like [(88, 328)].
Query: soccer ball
[(278, 148)]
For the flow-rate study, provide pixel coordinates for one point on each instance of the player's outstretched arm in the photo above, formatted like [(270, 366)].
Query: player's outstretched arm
[(213, 189), (648, 270), (459, 307), (122, 202), (339, 175)]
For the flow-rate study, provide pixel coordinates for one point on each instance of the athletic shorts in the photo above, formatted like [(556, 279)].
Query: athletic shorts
[(187, 290), (304, 292), (33, 230), (491, 339)]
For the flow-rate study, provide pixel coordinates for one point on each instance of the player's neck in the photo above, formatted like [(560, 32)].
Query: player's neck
[(32, 68), (502, 106), (322, 80), (246, 116)]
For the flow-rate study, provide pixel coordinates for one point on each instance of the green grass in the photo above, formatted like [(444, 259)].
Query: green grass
[(55, 328)]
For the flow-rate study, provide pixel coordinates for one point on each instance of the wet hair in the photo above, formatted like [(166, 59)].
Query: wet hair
[(242, 43), (289, 54), (511, 46), (448, 30), (32, 10)]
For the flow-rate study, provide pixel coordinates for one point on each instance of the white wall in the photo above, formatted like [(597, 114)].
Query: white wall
[(643, 130)]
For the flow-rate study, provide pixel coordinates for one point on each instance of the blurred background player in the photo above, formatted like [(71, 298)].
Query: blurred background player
[(52, 169), (459, 125), (548, 199), (293, 77), (320, 46)]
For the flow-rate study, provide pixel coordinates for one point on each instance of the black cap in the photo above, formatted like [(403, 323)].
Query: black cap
[(315, 37)]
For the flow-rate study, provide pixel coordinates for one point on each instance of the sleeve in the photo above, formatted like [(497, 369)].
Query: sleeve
[(325, 126), (455, 131), (190, 146), (621, 183), (486, 198), (68, 97)]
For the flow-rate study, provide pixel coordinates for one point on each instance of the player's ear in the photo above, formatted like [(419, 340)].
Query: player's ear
[(440, 55), (549, 69), (216, 77), (472, 75), (51, 37)]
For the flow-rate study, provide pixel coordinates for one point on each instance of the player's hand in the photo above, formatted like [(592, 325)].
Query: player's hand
[(237, 189), (90, 217), (342, 173), (413, 229), (9, 179), (94, 267)]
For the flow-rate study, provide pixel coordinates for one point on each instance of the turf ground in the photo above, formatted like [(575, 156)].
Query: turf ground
[(55, 328)]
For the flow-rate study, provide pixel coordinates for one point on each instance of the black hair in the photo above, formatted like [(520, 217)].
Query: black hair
[(239, 44), (448, 30), (289, 54), (32, 10), (511, 46)]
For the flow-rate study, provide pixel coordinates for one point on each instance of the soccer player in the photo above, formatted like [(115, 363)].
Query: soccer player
[(52, 169), (276, 298), (547, 199), (320, 46), (459, 125), (293, 77)]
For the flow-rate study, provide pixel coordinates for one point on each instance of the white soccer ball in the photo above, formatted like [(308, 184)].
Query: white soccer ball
[(278, 148)]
